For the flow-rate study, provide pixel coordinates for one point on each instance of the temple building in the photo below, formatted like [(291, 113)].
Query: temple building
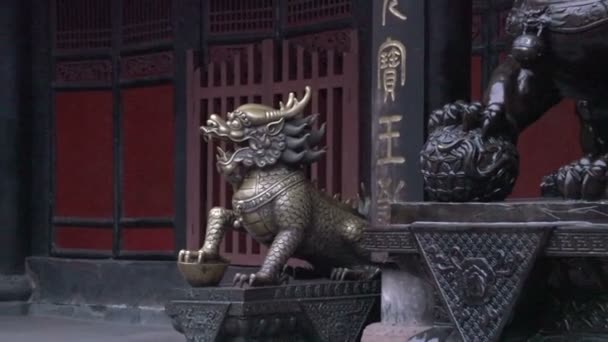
[(104, 175)]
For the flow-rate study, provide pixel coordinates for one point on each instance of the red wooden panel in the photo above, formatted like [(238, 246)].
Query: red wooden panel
[(83, 238), (149, 151), (550, 143), (84, 154), (148, 239), (476, 86)]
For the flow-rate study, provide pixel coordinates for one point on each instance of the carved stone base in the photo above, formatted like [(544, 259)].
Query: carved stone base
[(382, 332), (310, 311), (515, 271)]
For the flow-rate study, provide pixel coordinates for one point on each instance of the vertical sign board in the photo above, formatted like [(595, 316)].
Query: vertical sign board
[(398, 104)]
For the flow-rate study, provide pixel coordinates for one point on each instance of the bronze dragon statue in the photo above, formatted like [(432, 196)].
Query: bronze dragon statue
[(275, 203)]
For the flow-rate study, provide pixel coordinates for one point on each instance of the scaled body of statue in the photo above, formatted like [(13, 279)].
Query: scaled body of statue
[(559, 51), (275, 203)]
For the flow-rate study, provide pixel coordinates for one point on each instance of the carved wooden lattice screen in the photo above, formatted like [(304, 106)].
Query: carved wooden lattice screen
[(266, 72)]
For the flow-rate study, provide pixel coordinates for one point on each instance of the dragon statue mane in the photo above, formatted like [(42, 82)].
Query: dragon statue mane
[(275, 203)]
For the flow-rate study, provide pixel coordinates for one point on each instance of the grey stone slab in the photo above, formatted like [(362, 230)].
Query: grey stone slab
[(14, 308), (15, 288), (49, 329), (510, 211), (114, 313), (103, 282), (107, 282)]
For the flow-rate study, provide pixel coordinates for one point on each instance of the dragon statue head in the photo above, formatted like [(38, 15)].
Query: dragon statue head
[(266, 136)]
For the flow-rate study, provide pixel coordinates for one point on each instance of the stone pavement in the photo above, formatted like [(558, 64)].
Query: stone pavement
[(53, 329)]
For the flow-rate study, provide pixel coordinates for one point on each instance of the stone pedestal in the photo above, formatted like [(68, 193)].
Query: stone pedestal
[(407, 303), (511, 271), (308, 311)]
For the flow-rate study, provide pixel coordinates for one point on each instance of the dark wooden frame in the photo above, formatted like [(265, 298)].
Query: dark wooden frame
[(186, 36), (491, 45)]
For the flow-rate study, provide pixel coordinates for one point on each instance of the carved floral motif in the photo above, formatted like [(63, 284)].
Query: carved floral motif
[(83, 71), (338, 41), (479, 273), (149, 65)]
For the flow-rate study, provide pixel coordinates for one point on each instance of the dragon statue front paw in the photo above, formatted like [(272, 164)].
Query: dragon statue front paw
[(586, 178), (258, 279), (199, 256)]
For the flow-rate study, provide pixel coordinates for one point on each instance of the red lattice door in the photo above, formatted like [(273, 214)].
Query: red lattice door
[(265, 72)]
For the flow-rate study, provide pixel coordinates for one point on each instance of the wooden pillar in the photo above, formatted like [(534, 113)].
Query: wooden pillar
[(14, 147), (421, 53)]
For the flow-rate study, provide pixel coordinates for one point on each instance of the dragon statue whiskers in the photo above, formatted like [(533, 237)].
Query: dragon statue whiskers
[(275, 203)]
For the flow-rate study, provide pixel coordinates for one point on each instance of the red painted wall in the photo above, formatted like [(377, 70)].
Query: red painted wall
[(85, 165), (149, 164), (545, 146), (149, 151), (84, 154)]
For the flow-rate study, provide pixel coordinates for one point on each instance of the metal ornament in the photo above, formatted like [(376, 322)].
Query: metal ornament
[(556, 54), (275, 203)]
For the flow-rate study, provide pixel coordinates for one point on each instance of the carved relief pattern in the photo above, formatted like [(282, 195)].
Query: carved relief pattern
[(561, 242), (273, 327), (83, 71), (338, 320), (389, 241), (579, 243), (200, 322), (150, 65), (585, 316), (480, 274), (338, 41), (328, 290), (332, 311)]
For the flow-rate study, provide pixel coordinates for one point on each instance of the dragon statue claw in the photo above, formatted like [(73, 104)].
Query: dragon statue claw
[(257, 279), (275, 203)]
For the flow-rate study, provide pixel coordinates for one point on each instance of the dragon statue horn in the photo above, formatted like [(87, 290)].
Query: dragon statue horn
[(292, 108)]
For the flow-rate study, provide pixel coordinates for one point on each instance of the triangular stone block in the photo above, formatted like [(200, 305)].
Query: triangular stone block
[(199, 322), (339, 320), (480, 270)]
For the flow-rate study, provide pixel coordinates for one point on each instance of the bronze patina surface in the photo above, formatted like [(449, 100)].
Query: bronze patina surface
[(558, 52), (275, 203)]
